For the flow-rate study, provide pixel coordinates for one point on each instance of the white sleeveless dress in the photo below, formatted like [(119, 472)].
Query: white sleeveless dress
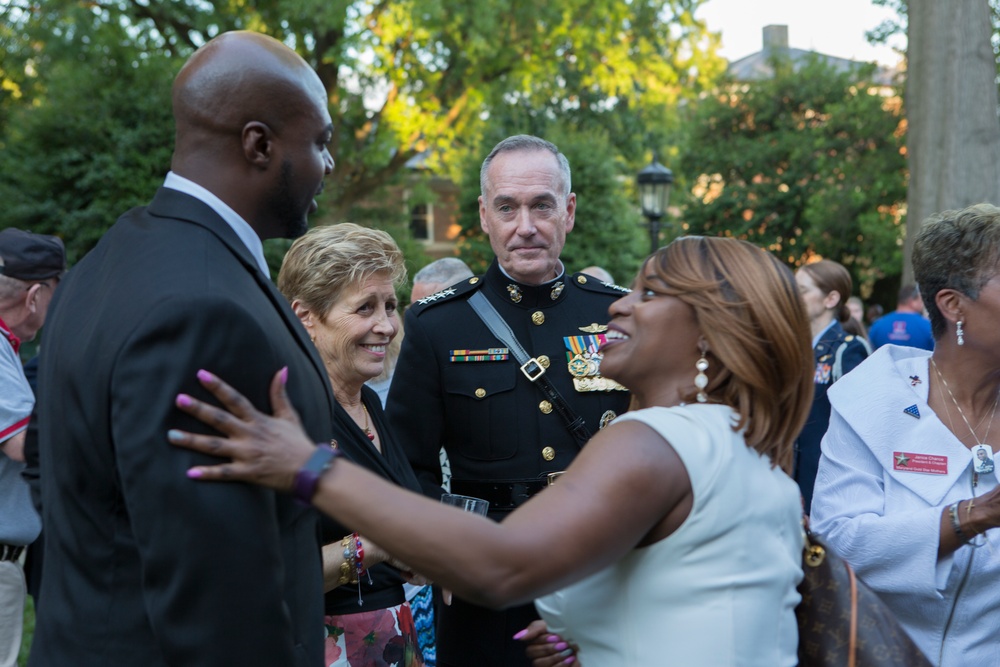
[(720, 591)]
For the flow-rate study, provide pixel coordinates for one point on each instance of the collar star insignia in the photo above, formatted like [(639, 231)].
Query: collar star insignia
[(902, 460)]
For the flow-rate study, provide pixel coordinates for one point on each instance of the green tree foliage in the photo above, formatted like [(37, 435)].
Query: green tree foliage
[(405, 78), (96, 142), (807, 164)]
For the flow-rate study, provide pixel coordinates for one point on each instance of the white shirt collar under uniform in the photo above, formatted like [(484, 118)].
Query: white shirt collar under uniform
[(232, 218)]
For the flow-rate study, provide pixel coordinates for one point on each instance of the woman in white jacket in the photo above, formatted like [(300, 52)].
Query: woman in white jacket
[(897, 494)]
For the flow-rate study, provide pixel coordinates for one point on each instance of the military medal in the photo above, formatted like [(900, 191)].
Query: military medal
[(584, 362), (578, 367)]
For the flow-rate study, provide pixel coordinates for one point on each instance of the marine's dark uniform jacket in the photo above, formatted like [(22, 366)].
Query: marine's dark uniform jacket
[(807, 445), (457, 386), (448, 390)]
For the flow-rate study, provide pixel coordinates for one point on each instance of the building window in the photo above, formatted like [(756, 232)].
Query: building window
[(421, 220)]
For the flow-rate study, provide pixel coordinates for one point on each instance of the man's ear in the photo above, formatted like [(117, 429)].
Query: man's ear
[(31, 297), (258, 143)]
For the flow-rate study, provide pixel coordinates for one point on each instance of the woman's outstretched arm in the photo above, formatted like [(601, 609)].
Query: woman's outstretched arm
[(625, 488)]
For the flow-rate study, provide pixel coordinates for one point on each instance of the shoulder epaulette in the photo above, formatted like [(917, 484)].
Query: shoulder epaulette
[(447, 294), (592, 284)]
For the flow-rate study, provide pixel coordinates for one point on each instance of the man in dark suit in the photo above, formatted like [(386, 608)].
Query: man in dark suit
[(142, 565), (458, 386)]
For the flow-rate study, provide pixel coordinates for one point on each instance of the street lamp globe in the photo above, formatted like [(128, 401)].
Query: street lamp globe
[(654, 196)]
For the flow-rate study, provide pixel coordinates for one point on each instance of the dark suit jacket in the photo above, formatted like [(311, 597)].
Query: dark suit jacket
[(142, 565)]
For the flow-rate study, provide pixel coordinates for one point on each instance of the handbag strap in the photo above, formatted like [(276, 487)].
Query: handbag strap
[(530, 366), (852, 644)]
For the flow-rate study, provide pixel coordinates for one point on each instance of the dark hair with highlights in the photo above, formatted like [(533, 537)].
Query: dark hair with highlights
[(748, 308)]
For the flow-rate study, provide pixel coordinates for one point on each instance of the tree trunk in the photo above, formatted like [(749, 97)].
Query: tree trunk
[(953, 134)]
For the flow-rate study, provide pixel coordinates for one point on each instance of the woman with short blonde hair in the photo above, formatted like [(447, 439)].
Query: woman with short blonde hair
[(341, 280)]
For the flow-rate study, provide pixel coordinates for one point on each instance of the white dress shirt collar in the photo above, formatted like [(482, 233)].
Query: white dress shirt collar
[(232, 218)]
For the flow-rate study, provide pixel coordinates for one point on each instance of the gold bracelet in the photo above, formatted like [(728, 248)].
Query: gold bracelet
[(968, 514), (345, 574), (350, 561)]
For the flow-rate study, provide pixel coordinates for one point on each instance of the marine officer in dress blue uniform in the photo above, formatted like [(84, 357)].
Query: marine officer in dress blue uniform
[(459, 386)]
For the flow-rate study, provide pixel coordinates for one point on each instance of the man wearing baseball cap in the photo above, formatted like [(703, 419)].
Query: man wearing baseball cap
[(30, 268)]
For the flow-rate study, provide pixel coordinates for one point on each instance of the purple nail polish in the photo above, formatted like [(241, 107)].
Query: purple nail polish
[(194, 473), (284, 379), (552, 639), (205, 376), (561, 646), (521, 634), (570, 660), (183, 400)]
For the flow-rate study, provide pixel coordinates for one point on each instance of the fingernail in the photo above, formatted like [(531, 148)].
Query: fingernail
[(565, 653), (552, 639), (183, 400), (570, 660), (174, 435), (561, 645), (521, 634), (205, 376), (194, 473), (284, 375)]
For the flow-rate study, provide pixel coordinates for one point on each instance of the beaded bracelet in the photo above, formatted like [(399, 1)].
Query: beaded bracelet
[(359, 555), (956, 523)]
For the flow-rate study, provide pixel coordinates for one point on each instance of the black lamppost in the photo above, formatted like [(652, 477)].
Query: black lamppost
[(654, 196)]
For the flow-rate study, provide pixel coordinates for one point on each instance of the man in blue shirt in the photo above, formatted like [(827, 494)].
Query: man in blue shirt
[(906, 326)]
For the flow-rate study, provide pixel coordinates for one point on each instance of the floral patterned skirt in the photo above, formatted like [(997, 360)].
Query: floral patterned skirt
[(377, 638)]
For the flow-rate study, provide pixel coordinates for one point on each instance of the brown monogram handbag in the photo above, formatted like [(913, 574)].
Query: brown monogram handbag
[(842, 622)]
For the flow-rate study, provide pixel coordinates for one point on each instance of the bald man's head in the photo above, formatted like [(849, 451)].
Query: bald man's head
[(252, 126), (240, 77)]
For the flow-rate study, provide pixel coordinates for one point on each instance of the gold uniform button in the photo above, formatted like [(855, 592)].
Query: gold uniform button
[(480, 392), (545, 407), (538, 317), (543, 361), (548, 453), (473, 281), (581, 279)]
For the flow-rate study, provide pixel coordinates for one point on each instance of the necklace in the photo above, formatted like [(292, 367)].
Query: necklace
[(371, 436), (962, 412)]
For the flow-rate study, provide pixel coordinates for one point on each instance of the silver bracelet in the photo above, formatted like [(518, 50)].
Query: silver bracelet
[(956, 524)]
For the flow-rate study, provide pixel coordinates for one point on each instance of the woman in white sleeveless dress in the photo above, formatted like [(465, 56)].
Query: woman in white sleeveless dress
[(674, 538)]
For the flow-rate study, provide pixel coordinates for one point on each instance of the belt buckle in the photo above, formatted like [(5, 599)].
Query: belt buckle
[(538, 369), (553, 476)]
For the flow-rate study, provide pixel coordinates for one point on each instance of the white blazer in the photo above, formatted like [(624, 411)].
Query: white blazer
[(888, 470)]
